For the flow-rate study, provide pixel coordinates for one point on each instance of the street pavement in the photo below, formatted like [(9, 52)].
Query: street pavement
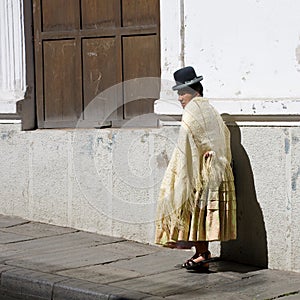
[(41, 261)]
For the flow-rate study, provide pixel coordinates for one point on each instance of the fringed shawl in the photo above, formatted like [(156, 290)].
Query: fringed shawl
[(197, 196)]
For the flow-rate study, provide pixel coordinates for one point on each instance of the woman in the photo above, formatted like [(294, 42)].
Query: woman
[(197, 197)]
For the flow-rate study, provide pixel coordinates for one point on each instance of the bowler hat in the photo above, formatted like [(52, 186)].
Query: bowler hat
[(185, 77)]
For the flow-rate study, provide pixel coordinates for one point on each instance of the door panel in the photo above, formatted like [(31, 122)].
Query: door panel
[(58, 15), (140, 12), (99, 74), (140, 60), (62, 101), (98, 14)]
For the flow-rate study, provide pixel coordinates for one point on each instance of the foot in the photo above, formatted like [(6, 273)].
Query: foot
[(190, 261), (198, 261), (202, 257)]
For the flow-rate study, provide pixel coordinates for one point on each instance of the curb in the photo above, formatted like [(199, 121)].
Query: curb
[(20, 284)]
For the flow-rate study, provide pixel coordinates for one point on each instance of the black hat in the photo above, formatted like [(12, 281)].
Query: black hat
[(185, 77)]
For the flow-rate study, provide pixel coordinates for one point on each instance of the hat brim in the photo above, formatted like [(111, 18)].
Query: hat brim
[(186, 84)]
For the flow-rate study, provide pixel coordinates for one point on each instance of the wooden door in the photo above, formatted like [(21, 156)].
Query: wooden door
[(84, 52)]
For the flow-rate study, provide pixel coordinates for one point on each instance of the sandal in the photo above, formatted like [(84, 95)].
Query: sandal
[(189, 261), (201, 265)]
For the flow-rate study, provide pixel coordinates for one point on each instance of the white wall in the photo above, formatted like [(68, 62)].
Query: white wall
[(246, 50)]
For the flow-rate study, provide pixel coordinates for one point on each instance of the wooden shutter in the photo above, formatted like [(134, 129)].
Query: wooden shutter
[(83, 48)]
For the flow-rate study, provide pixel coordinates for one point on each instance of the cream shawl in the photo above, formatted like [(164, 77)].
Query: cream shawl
[(197, 197)]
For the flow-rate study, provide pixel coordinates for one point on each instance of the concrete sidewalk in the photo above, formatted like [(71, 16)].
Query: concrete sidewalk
[(41, 261)]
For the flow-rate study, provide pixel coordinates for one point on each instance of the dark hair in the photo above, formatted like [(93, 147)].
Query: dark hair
[(198, 88)]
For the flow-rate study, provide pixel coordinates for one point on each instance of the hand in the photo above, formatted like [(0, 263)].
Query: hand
[(207, 154)]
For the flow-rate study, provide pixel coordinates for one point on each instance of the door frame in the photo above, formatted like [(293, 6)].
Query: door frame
[(26, 108)]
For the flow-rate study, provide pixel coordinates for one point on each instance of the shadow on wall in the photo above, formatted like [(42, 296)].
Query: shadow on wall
[(251, 244)]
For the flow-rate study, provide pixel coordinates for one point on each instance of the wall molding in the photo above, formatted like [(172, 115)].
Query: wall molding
[(281, 107)]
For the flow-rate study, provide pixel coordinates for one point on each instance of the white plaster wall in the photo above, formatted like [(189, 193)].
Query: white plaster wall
[(107, 181), (172, 54), (245, 50)]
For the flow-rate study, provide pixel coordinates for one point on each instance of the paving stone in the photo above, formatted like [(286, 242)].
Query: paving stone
[(100, 274), (6, 252), (77, 290), (130, 247), (260, 285), (295, 296), (55, 244), (11, 295), (29, 283), (4, 268), (7, 237), (268, 284), (180, 285), (8, 295), (171, 283), (230, 268), (41, 258), (167, 260), (66, 259), (7, 221), (130, 268), (34, 229), (158, 262), (206, 294)]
